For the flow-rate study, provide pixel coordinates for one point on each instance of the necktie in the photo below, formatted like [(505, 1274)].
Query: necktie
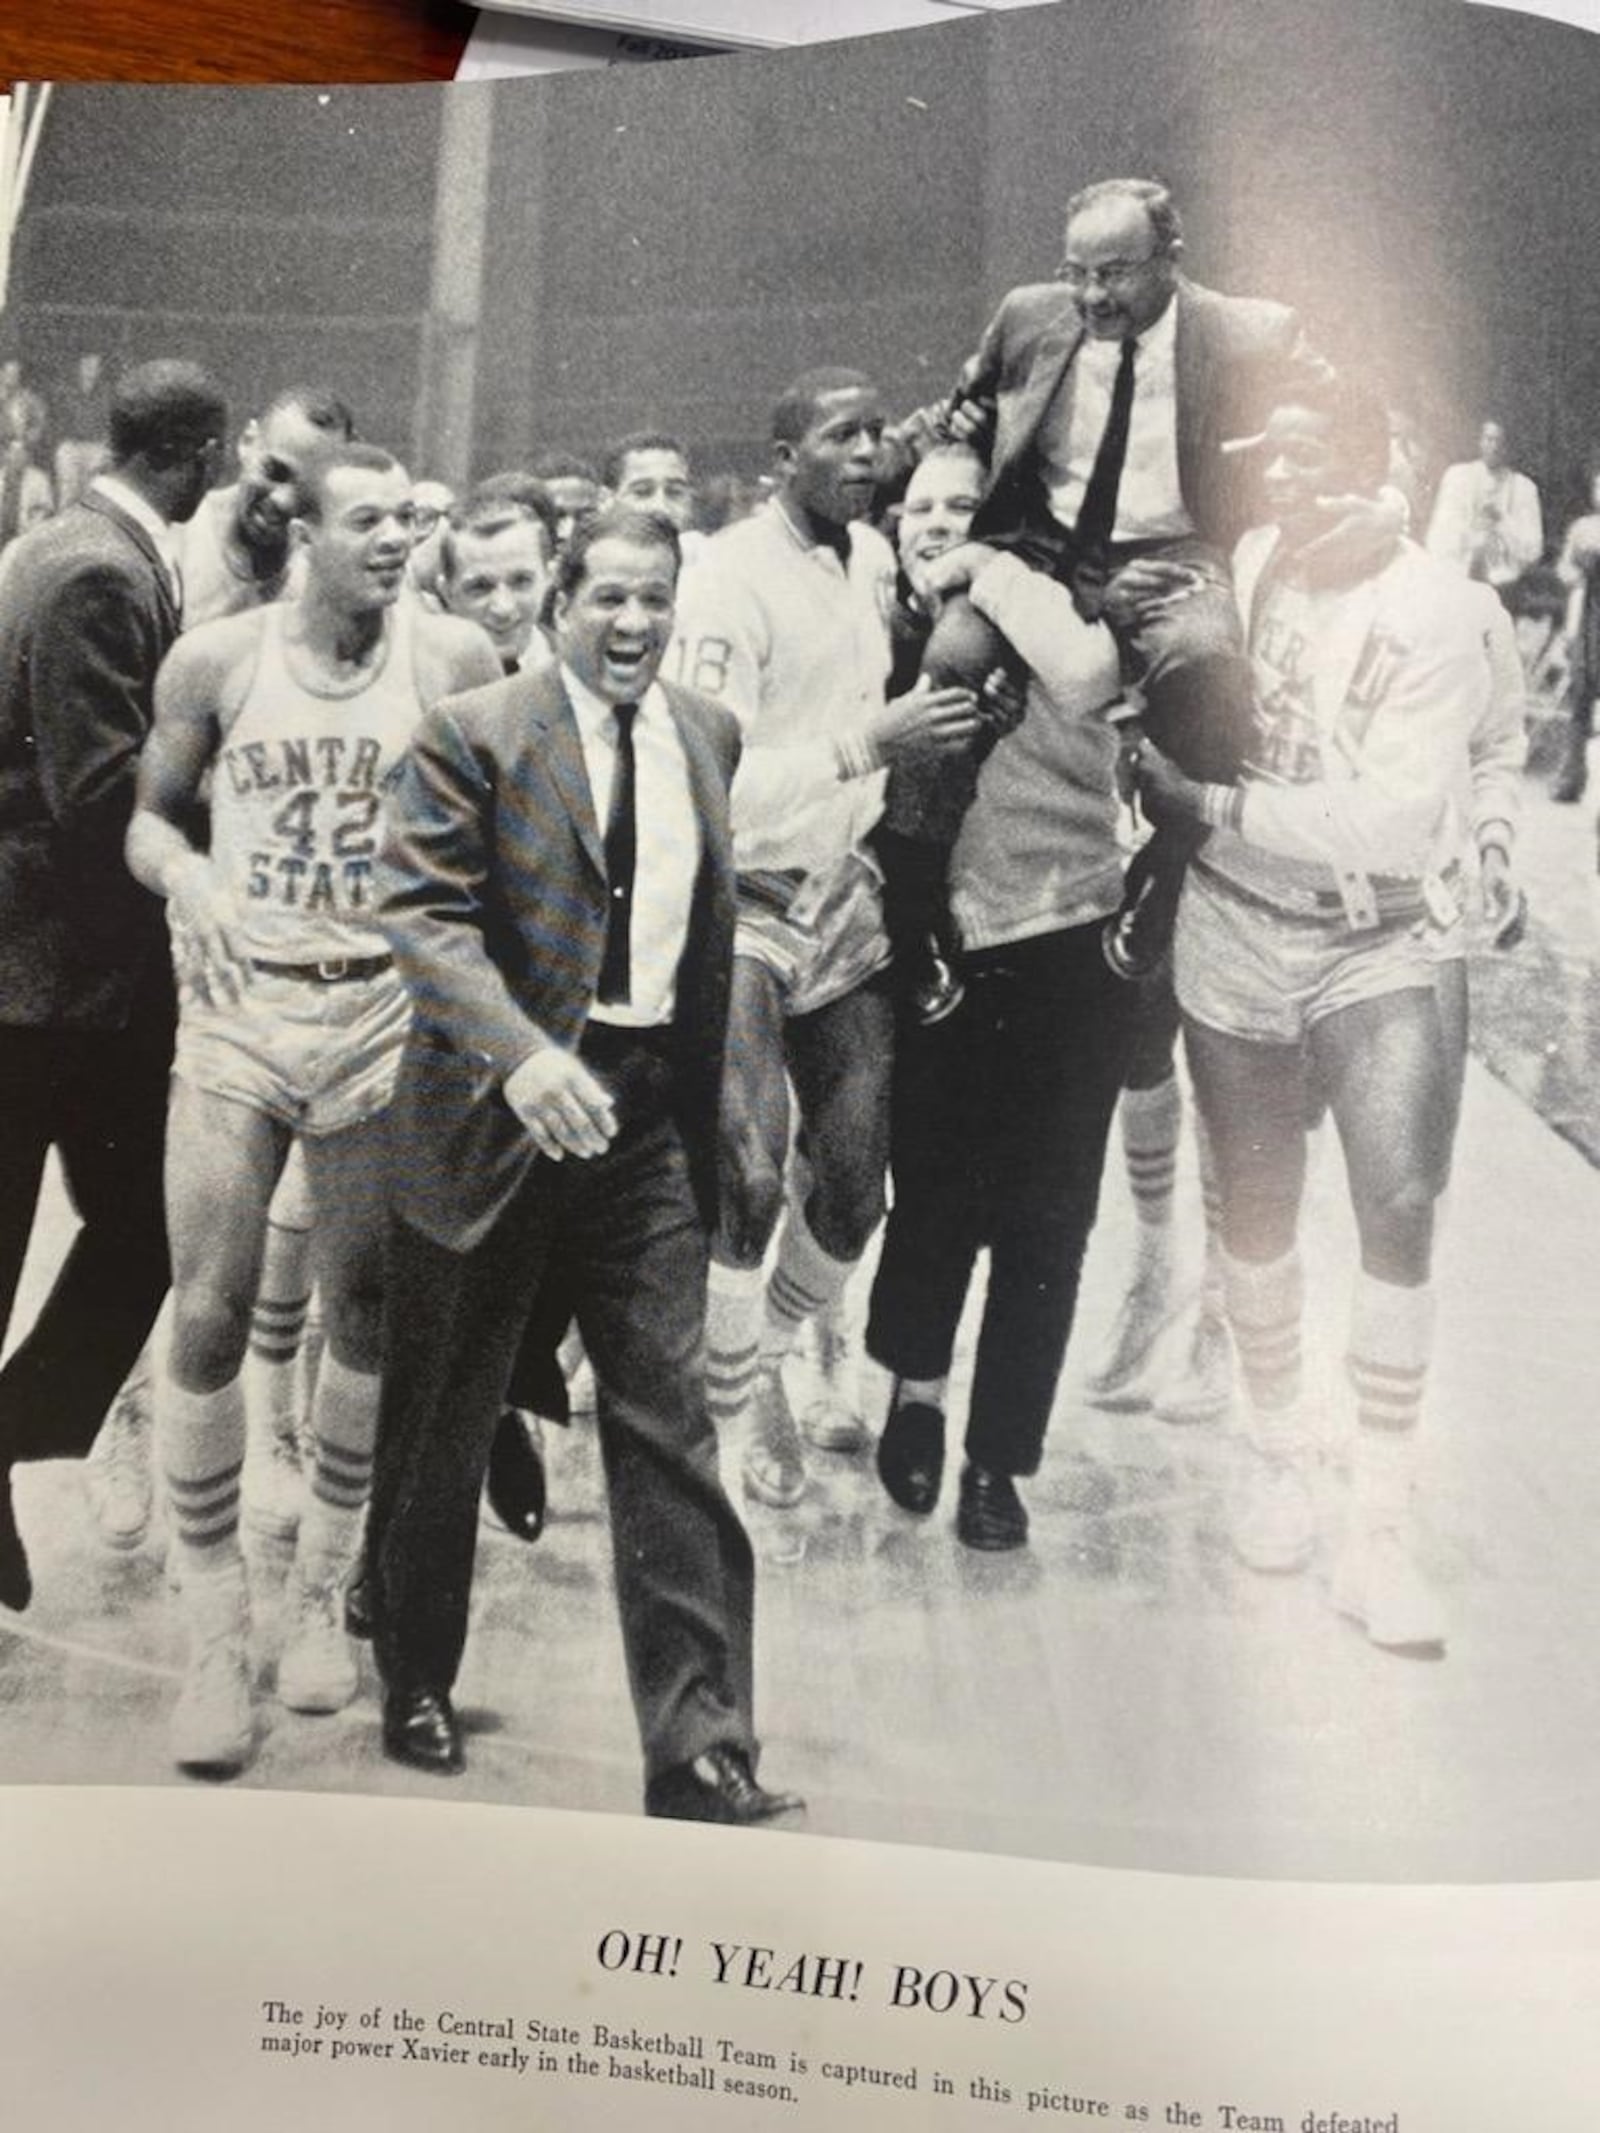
[(10, 503), (1097, 515), (622, 849)]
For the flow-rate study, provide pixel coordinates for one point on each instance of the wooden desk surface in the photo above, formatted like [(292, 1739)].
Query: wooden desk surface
[(231, 40)]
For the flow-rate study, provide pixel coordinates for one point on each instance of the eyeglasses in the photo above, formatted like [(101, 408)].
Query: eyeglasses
[(1114, 274)]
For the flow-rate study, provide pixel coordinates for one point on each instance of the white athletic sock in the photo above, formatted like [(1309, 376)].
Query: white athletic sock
[(921, 1392), (1151, 1122), (344, 1422), (277, 1328), (1391, 1343), (805, 1280), (1264, 1303), (733, 1341), (201, 1435)]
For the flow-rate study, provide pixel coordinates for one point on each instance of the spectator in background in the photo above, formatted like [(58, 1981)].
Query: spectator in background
[(26, 496), (85, 417), (1486, 518), (574, 488), (431, 503), (649, 471), (495, 558), (1579, 568), (24, 413)]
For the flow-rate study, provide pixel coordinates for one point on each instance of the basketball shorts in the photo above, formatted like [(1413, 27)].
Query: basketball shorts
[(1269, 977), (820, 935), (318, 1057)]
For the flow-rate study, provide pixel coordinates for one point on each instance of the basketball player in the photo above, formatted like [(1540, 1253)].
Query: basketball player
[(290, 1028)]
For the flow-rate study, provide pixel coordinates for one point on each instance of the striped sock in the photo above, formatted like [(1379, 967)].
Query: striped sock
[(201, 1435), (1264, 1300), (1151, 1122), (344, 1422), (805, 1280), (733, 1341), (1391, 1342)]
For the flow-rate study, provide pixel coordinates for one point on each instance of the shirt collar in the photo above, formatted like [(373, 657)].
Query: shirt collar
[(593, 713), (144, 514)]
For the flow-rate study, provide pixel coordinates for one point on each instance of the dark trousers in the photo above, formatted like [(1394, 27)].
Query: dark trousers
[(624, 1230), (99, 1098), (1001, 1115)]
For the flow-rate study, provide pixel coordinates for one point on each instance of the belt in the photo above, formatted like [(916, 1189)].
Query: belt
[(1397, 901), (333, 970), (607, 1042)]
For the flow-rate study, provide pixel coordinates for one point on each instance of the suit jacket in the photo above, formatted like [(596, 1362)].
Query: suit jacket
[(491, 889), (1234, 356), (87, 615)]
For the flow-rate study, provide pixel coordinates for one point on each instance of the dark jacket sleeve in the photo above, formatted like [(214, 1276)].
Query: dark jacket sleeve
[(436, 902)]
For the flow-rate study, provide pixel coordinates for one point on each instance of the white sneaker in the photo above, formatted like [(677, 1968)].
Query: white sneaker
[(273, 1485), (1377, 1583), (117, 1474), (832, 1418), (317, 1672), (1119, 1382), (1202, 1390), (213, 1726), (1272, 1524), (774, 1468)]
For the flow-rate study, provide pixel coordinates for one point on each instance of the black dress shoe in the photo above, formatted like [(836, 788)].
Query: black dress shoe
[(358, 1605), (516, 1474), (16, 1586), (420, 1728), (718, 1786), (911, 1456), (990, 1513)]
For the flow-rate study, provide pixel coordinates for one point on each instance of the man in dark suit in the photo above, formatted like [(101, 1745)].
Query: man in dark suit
[(557, 1116), (88, 608), (1107, 399)]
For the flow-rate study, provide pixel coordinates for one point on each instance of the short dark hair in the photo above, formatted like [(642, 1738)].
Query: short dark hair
[(164, 412), (613, 466), (1166, 225), (618, 522), (563, 466), (1358, 425), (324, 410), (486, 514), (796, 406), (525, 491), (313, 489)]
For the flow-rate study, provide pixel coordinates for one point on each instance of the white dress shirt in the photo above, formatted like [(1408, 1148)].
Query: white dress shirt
[(668, 856), (1149, 499)]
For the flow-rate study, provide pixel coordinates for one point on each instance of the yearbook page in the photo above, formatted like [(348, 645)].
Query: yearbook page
[(1123, 1655)]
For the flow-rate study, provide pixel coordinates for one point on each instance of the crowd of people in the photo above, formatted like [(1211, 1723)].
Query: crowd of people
[(455, 942)]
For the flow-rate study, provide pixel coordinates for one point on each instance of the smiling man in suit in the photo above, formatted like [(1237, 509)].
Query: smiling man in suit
[(557, 886), (1107, 398), (88, 609)]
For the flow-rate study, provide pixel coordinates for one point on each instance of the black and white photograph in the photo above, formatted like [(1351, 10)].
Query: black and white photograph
[(799, 921)]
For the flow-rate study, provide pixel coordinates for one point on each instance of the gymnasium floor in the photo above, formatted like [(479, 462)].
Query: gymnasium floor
[(1121, 1692)]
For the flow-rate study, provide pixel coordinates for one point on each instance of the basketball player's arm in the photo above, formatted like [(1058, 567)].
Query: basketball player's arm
[(1383, 818), (433, 883), (193, 708)]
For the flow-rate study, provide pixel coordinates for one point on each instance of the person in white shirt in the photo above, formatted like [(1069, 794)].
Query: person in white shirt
[(1487, 519), (1306, 964), (785, 620)]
